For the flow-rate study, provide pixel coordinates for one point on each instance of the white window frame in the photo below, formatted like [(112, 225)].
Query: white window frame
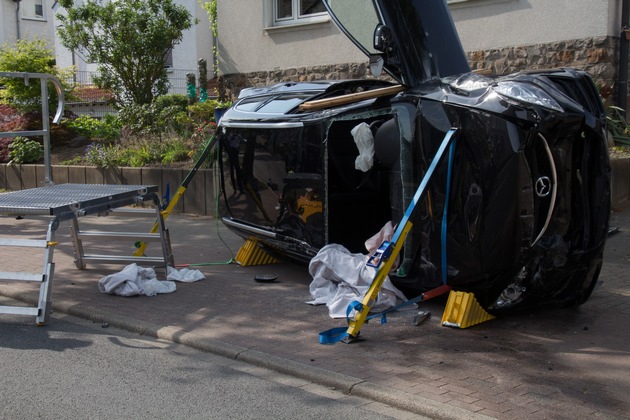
[(296, 19), (28, 6)]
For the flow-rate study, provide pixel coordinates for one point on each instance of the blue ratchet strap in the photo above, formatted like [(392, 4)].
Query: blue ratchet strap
[(335, 335), (449, 172)]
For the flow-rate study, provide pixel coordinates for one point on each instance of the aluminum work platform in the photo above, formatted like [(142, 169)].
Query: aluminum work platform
[(65, 202)]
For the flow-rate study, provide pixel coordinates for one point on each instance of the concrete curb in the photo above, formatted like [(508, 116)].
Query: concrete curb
[(344, 383)]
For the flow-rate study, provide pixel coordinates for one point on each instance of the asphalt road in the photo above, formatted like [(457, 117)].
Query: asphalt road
[(78, 369)]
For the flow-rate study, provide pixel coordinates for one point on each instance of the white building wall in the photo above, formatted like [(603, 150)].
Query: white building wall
[(487, 24), (7, 20), (204, 37), (28, 27), (246, 43), (65, 58), (196, 43)]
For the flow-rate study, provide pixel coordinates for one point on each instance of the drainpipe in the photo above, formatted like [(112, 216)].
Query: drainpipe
[(17, 17), (622, 93)]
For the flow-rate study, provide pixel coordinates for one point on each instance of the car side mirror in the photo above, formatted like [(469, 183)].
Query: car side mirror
[(376, 65), (381, 37)]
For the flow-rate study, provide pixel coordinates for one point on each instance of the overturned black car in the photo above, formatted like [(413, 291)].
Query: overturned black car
[(529, 193)]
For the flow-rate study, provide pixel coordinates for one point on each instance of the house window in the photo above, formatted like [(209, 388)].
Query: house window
[(293, 12), (168, 62), (33, 9)]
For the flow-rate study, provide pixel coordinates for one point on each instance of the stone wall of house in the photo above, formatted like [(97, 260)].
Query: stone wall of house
[(598, 56), (230, 85)]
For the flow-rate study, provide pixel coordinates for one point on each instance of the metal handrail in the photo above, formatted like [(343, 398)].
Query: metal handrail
[(45, 131)]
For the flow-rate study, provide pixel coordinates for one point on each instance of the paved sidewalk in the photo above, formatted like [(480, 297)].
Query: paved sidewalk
[(563, 363)]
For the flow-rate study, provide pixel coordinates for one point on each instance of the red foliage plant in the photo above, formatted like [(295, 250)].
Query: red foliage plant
[(4, 150), (12, 120)]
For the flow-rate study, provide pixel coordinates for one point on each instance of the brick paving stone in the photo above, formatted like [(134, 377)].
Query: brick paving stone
[(461, 397), (490, 413), (454, 387), (479, 383), (483, 395), (498, 408), (425, 388), (470, 407)]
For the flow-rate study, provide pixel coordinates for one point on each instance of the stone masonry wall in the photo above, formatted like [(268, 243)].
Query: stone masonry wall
[(597, 56), (230, 85)]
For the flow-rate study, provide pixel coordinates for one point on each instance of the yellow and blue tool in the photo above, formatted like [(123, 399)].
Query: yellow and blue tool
[(384, 257)]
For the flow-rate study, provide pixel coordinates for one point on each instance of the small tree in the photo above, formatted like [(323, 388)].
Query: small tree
[(30, 56), (129, 40)]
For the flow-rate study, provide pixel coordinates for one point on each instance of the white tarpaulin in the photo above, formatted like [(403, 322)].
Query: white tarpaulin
[(340, 277)]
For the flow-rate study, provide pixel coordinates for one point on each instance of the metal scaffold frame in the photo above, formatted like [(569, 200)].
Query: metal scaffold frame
[(69, 202)]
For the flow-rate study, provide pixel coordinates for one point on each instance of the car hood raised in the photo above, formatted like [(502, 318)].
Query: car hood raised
[(421, 40)]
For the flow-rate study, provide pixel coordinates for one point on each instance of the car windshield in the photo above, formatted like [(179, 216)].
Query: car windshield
[(358, 18), (279, 104)]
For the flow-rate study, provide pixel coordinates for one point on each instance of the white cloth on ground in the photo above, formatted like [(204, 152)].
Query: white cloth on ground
[(184, 275), (340, 277), (134, 280)]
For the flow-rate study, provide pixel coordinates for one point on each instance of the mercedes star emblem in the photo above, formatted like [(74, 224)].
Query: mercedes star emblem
[(543, 186)]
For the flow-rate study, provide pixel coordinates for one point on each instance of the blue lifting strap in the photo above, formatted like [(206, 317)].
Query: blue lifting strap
[(335, 335), (449, 173)]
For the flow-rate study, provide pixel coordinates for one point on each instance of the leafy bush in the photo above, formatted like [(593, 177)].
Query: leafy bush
[(136, 158), (171, 100), (24, 150), (138, 152), (31, 56), (204, 111), (617, 125), (77, 160), (176, 151), (168, 113), (140, 119), (170, 110), (128, 39), (199, 150), (154, 118), (106, 129), (102, 156)]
